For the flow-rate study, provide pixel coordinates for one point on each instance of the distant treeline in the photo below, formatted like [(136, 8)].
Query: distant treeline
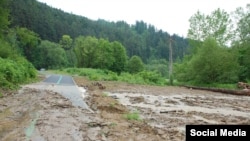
[(51, 24)]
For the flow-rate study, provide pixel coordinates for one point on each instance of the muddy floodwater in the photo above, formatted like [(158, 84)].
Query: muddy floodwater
[(176, 110)]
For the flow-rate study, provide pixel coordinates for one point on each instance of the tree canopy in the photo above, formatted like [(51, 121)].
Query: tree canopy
[(218, 25), (211, 64), (52, 24)]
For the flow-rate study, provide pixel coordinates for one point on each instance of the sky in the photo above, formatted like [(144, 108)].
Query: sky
[(169, 15)]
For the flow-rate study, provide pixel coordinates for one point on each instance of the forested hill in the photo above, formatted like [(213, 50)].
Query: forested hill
[(51, 24)]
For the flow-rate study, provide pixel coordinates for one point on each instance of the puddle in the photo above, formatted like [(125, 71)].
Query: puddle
[(30, 129)]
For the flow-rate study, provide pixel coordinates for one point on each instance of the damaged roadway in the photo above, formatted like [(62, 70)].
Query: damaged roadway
[(56, 109)]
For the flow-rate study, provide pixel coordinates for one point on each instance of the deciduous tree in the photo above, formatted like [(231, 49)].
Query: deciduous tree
[(218, 25), (135, 65)]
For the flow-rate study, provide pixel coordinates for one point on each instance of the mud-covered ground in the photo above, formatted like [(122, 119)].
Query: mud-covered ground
[(44, 115)]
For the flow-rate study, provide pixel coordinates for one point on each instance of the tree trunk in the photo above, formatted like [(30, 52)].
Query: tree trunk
[(226, 91)]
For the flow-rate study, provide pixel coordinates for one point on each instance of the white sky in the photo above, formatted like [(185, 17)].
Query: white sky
[(169, 15)]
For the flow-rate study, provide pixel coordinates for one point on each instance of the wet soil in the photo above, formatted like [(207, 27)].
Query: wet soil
[(45, 115), (167, 110)]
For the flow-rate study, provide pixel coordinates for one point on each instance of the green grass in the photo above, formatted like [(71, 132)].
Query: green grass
[(133, 116), (145, 77), (214, 85), (104, 95)]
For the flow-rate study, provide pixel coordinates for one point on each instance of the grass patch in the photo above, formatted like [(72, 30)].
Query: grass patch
[(216, 85), (104, 95), (144, 77), (133, 116)]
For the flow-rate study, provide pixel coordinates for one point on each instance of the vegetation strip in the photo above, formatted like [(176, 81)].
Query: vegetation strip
[(226, 91)]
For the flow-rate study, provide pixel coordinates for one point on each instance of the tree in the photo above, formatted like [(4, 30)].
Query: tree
[(242, 41), (27, 40), (67, 43), (120, 55), (52, 24), (85, 50), (4, 13), (50, 55), (211, 64), (104, 55), (242, 17), (218, 25), (135, 65)]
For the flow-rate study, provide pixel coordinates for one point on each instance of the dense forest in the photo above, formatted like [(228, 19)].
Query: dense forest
[(51, 24), (34, 35)]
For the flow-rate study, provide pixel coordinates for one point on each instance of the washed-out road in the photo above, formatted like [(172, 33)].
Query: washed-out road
[(65, 86)]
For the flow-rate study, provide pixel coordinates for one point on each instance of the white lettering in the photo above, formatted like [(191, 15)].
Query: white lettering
[(207, 132), (192, 132), (223, 132), (237, 132)]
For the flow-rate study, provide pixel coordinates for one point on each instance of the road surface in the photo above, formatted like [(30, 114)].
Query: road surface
[(66, 86), (60, 80)]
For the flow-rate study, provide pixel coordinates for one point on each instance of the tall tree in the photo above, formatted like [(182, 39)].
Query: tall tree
[(242, 40), (218, 25), (242, 16), (27, 41), (67, 43), (104, 55), (86, 49), (120, 55)]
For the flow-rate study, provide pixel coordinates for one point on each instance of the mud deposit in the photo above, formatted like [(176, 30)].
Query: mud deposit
[(38, 113), (166, 110)]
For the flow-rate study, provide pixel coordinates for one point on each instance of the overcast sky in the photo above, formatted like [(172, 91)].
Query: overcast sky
[(169, 15)]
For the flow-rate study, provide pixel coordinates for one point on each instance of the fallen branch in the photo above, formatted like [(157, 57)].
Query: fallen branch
[(62, 105)]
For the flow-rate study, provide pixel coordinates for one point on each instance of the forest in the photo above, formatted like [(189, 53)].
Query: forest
[(34, 35)]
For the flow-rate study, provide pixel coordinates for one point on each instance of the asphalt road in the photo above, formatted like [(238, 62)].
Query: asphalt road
[(60, 80), (66, 86)]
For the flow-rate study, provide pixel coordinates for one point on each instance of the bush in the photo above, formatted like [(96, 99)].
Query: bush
[(15, 71), (135, 65), (211, 64), (151, 77)]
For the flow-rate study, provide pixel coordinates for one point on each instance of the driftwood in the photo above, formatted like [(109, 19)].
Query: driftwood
[(99, 85), (243, 85), (245, 92)]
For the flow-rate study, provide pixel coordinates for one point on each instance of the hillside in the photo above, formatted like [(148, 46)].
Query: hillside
[(51, 24)]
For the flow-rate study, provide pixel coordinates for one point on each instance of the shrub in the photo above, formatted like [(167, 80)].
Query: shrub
[(133, 116), (151, 77), (15, 71), (135, 65)]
